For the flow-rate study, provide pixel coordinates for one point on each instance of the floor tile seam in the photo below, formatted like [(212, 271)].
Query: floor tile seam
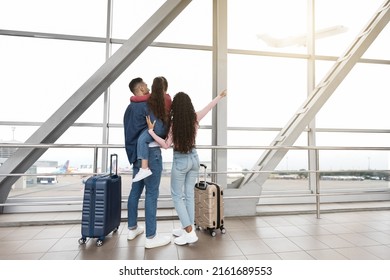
[(310, 232), (338, 250), (21, 245), (335, 235), (276, 252), (48, 249), (18, 247), (12, 256), (287, 252), (325, 249), (287, 236), (303, 249), (56, 252), (365, 248), (356, 245), (244, 254)]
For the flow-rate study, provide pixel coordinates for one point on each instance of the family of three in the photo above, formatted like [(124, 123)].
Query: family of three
[(153, 120)]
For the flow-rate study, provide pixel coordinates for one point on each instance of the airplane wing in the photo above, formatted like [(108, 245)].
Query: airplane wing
[(300, 40)]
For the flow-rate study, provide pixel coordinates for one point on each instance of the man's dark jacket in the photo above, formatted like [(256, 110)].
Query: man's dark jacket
[(134, 122)]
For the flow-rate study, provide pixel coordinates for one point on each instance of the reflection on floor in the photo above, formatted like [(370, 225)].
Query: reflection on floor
[(361, 235)]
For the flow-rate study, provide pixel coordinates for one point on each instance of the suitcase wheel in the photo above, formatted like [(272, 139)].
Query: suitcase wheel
[(99, 242), (82, 240), (213, 233), (223, 230)]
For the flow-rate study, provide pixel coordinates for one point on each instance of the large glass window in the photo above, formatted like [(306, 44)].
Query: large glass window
[(265, 88)]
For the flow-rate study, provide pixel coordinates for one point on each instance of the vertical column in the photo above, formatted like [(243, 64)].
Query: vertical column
[(106, 105), (311, 135), (219, 114)]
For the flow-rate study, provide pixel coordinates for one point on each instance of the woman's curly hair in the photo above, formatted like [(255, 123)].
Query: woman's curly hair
[(156, 101), (183, 123)]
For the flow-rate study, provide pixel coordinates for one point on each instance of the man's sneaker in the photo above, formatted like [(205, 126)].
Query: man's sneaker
[(133, 233), (157, 241), (186, 238), (178, 232), (142, 174)]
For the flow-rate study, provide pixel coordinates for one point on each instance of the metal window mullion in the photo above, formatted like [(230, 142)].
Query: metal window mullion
[(106, 104), (219, 114), (311, 134)]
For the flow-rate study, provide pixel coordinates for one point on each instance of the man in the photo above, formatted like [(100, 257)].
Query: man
[(134, 122)]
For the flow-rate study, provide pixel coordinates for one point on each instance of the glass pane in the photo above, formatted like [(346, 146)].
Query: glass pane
[(129, 16), (247, 158), (73, 17), (185, 70), (266, 95), (360, 101), (17, 134), (343, 24), (379, 49), (353, 169), (267, 25), (192, 26), (43, 76)]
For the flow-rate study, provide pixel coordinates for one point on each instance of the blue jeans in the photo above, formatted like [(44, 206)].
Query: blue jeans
[(185, 170), (145, 138), (152, 185)]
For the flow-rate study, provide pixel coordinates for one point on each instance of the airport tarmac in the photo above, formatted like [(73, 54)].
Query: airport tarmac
[(70, 189)]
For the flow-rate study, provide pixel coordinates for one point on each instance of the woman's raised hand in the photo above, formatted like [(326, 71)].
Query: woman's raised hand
[(223, 93)]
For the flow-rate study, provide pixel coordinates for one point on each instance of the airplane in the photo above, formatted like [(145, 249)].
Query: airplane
[(300, 40), (64, 169), (51, 173)]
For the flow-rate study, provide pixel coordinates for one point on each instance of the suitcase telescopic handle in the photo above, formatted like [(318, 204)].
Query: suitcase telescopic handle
[(205, 172), (116, 163)]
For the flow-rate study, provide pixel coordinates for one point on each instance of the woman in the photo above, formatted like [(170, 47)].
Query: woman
[(184, 124)]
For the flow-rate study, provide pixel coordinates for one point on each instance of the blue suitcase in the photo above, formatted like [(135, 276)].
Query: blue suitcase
[(101, 205)]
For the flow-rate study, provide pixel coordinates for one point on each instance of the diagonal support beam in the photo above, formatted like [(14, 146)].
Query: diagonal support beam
[(88, 93), (289, 134)]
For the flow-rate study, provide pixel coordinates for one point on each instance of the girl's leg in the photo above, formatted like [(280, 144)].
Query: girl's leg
[(143, 149), (143, 155)]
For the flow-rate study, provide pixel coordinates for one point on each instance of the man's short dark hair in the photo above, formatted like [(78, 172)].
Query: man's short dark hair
[(134, 83)]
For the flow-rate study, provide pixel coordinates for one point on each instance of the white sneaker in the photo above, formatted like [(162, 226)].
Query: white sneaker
[(133, 233), (142, 174), (157, 241), (178, 232), (186, 238)]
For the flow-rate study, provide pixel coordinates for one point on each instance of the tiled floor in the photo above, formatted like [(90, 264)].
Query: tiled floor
[(335, 236)]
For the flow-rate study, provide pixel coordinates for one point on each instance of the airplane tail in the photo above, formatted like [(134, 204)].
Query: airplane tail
[(66, 165)]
